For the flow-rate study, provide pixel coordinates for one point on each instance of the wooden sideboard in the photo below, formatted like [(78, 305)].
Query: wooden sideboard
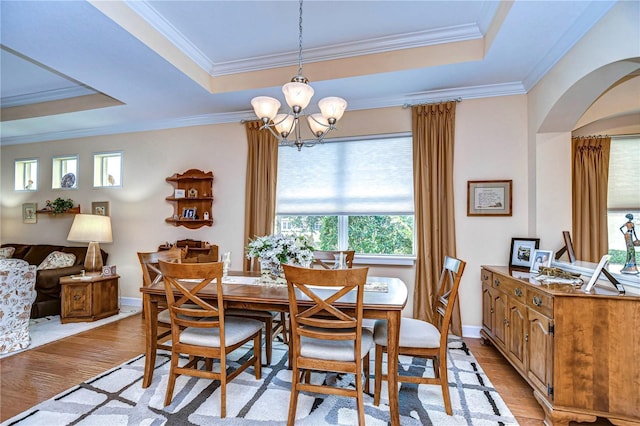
[(580, 352)]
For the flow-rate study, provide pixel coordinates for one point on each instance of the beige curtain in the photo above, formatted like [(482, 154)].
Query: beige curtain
[(589, 186), (260, 193), (433, 139)]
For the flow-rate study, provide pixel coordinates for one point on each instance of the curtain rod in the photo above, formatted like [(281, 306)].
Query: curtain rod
[(458, 99)]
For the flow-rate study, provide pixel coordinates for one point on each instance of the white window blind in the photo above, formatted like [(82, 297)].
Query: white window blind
[(624, 174), (355, 177)]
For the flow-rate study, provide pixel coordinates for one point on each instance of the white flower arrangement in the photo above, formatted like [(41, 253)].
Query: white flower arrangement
[(279, 248)]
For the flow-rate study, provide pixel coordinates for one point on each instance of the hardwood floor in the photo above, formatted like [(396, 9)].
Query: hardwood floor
[(38, 374)]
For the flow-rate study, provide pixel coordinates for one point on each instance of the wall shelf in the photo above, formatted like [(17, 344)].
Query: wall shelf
[(197, 187), (72, 210)]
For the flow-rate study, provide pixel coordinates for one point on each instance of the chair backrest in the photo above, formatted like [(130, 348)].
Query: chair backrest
[(327, 258), (313, 294), (447, 295), (149, 263), (182, 282)]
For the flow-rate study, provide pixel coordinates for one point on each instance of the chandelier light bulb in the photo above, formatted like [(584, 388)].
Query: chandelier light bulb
[(318, 124), (285, 123), (332, 107), (298, 95), (265, 107)]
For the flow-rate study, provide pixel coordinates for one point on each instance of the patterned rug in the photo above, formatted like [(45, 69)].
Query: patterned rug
[(117, 398)]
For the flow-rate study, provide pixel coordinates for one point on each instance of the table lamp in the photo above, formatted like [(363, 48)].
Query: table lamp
[(92, 229)]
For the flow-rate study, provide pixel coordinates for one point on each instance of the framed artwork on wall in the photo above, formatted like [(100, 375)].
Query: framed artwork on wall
[(522, 252), (29, 213), (101, 208), (489, 197)]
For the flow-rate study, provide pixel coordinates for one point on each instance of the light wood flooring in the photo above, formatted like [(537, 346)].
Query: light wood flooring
[(38, 374)]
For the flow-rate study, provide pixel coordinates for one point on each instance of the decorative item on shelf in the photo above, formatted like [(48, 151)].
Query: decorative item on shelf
[(550, 275), (189, 213), (541, 258), (178, 193), (193, 193), (92, 229), (108, 270), (631, 241), (298, 94), (276, 249), (61, 206)]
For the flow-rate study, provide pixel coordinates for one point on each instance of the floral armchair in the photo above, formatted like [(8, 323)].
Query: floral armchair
[(17, 293)]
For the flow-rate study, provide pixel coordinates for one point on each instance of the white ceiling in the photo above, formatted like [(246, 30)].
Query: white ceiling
[(54, 51)]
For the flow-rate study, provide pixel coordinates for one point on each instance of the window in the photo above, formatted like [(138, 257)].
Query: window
[(623, 196), (352, 194), (26, 178), (107, 170), (65, 172)]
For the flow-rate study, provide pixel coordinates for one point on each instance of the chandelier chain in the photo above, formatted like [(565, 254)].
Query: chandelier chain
[(300, 40)]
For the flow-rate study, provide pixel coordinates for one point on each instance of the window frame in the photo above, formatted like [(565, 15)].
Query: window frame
[(58, 171), (101, 172), (21, 163), (343, 219)]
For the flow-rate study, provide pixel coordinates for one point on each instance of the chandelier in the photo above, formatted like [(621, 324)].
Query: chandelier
[(298, 95)]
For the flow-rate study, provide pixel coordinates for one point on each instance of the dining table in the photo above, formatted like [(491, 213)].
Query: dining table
[(384, 298)]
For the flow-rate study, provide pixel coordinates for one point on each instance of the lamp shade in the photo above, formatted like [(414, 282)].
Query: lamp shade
[(297, 94), (92, 229), (87, 228), (332, 107), (265, 107)]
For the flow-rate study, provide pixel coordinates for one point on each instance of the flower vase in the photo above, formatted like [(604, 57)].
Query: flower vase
[(271, 273)]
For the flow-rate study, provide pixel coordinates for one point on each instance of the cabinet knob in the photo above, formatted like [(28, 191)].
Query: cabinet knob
[(526, 337), (537, 301), (518, 291), (76, 297), (496, 282), (485, 277), (491, 310)]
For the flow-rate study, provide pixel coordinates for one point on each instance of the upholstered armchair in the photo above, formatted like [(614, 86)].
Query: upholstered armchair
[(17, 293)]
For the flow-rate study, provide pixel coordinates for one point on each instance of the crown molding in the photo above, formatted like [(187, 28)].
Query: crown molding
[(46, 96)]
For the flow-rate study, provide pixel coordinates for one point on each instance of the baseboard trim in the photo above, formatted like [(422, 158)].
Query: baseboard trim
[(131, 301), (472, 331)]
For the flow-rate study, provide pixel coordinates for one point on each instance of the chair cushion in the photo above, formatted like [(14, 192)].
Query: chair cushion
[(235, 330), (413, 334), (164, 316), (334, 350)]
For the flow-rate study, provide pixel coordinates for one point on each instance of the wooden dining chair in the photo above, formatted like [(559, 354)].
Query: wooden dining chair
[(327, 258), (204, 332), (422, 339), (324, 336), (151, 274)]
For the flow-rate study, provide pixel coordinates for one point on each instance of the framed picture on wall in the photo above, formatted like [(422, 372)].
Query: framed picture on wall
[(100, 208), (489, 197), (522, 252), (29, 213)]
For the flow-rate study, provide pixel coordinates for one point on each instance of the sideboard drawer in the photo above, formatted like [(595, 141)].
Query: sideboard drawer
[(513, 288), (486, 276), (540, 301)]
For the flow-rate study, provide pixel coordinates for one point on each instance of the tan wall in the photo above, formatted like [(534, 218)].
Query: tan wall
[(485, 149)]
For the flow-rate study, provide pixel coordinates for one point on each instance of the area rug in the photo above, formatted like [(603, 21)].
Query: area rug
[(117, 398), (48, 329)]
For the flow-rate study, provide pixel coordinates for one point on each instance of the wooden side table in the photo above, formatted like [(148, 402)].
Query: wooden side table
[(88, 298)]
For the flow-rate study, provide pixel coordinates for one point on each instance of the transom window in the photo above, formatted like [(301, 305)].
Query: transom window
[(26, 175), (354, 194), (107, 170), (65, 172)]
